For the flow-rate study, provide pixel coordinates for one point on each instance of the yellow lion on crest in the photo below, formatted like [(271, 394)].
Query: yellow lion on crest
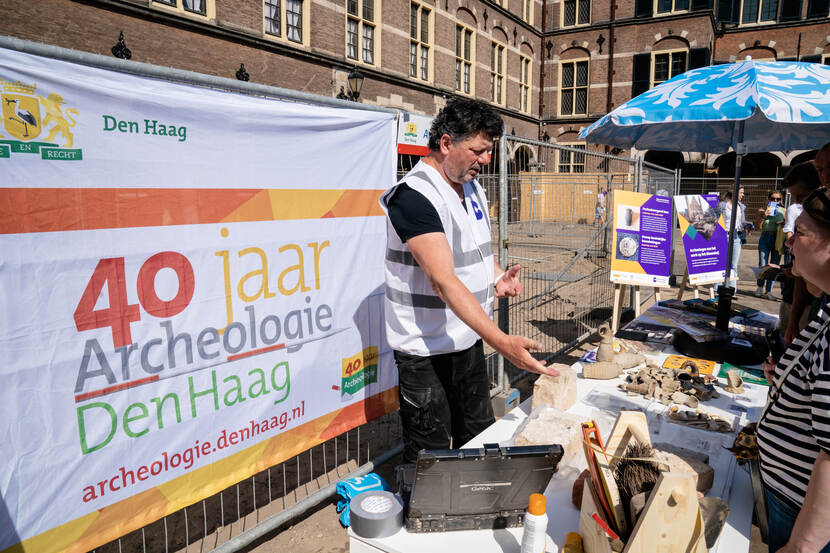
[(54, 114)]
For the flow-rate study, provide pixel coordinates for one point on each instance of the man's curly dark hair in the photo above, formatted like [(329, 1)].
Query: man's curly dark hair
[(463, 118)]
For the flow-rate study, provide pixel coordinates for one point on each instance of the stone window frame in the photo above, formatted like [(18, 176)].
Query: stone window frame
[(498, 72), (587, 87), (358, 17), (674, 9), (419, 43), (305, 22), (758, 15), (671, 53), (571, 162), (527, 10), (462, 61), (177, 7), (525, 83), (577, 5)]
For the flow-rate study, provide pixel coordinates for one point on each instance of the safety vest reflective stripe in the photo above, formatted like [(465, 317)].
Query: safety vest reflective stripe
[(425, 301), (460, 259)]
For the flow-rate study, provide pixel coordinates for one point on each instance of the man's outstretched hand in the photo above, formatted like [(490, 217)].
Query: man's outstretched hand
[(509, 285), (516, 349)]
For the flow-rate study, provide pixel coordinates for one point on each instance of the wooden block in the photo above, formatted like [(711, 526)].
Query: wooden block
[(594, 540), (612, 494), (630, 425), (579, 484), (671, 521), (556, 391)]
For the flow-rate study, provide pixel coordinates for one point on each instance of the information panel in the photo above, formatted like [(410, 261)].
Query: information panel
[(705, 237), (641, 239)]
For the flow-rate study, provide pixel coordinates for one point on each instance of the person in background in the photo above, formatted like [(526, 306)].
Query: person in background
[(599, 209), (806, 297), (822, 163), (770, 219), (793, 433), (800, 180), (725, 209)]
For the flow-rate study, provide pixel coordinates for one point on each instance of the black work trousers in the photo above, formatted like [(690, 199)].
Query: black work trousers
[(443, 397)]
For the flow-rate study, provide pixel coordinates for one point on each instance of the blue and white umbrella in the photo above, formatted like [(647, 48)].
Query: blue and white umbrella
[(782, 105), (748, 106)]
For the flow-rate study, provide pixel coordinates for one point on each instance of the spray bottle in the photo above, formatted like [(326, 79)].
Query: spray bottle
[(535, 525)]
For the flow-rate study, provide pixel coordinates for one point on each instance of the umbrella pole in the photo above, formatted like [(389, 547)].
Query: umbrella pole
[(726, 292)]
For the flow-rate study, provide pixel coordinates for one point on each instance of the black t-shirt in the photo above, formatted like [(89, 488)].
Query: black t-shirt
[(412, 214)]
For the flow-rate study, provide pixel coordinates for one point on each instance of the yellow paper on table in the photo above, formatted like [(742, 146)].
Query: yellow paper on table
[(676, 361)]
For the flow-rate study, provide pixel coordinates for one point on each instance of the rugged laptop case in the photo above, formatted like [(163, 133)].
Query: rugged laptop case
[(470, 489)]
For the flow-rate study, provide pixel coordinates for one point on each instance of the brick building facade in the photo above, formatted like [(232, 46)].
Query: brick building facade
[(599, 54), (551, 67), (312, 45)]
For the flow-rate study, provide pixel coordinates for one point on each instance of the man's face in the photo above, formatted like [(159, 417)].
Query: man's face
[(822, 163), (740, 194), (464, 160)]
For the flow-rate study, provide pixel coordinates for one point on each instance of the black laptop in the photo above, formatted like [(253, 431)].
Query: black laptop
[(471, 489)]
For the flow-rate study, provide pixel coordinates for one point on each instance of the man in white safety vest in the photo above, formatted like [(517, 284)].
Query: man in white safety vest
[(441, 282)]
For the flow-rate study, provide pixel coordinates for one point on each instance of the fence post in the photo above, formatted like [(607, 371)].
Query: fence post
[(638, 175), (504, 316)]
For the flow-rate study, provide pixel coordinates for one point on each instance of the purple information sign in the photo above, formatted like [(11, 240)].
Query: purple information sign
[(642, 238), (705, 237)]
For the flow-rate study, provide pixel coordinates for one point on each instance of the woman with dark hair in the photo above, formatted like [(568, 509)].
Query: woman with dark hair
[(794, 430)]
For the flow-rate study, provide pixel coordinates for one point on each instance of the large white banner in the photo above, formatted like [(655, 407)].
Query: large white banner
[(191, 286)]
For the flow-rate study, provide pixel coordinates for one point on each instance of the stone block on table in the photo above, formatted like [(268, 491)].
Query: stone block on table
[(556, 391), (552, 426)]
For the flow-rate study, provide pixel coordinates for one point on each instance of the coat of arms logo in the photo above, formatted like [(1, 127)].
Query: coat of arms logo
[(27, 116)]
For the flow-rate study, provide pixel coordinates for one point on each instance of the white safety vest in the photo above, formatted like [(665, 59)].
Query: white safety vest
[(418, 322)]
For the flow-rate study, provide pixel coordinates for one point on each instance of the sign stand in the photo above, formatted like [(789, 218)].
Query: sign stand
[(619, 297), (695, 287)]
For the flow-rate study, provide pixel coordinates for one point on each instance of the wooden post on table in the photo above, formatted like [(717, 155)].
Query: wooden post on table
[(619, 290), (695, 288), (683, 285), (619, 296)]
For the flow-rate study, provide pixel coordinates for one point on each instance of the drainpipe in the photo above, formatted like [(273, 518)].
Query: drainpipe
[(798, 49), (542, 69), (610, 77)]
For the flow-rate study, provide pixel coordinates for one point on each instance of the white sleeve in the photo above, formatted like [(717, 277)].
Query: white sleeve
[(789, 218)]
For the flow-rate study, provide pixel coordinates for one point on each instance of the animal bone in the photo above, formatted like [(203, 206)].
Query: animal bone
[(684, 399), (735, 384)]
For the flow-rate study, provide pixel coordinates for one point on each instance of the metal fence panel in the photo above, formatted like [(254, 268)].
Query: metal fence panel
[(558, 229)]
